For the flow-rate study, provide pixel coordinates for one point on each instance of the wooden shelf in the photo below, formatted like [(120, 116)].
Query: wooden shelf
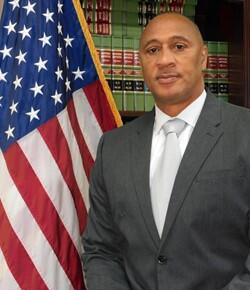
[(128, 116), (131, 113)]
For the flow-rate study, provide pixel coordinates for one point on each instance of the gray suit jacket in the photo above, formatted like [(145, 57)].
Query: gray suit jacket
[(206, 238)]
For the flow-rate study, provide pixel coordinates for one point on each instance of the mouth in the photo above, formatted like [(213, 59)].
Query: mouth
[(167, 78)]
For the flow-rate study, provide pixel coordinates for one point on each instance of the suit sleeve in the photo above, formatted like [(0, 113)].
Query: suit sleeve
[(102, 259), (242, 280)]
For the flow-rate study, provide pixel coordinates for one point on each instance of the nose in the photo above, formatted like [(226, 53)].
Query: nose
[(165, 58)]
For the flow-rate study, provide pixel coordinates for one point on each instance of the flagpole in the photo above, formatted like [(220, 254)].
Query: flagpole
[(1, 8)]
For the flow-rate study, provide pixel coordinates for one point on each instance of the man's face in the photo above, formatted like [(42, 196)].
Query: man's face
[(173, 56)]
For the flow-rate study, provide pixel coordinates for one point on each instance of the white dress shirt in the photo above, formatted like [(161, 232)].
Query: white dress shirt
[(190, 115)]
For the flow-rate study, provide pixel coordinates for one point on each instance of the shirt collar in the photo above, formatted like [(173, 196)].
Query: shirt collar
[(190, 114)]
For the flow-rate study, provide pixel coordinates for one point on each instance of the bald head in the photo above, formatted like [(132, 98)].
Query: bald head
[(173, 58), (167, 19)]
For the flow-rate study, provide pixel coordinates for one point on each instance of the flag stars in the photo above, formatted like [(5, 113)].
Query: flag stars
[(59, 28), (68, 41), (37, 89), (9, 132), (2, 76), (30, 8), (10, 27), (15, 4), (57, 97), (1, 97), (59, 50), (6, 51), (17, 82), (78, 73), (21, 57), (67, 84), (48, 15), (13, 107), (58, 73), (67, 63), (41, 64), (33, 114), (45, 39), (59, 7), (25, 32)]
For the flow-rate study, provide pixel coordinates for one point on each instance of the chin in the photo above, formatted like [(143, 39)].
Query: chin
[(169, 97)]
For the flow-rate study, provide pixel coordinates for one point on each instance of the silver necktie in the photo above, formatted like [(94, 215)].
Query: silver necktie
[(166, 170)]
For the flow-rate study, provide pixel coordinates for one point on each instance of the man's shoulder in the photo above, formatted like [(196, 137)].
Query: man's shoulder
[(131, 127), (229, 111), (234, 111)]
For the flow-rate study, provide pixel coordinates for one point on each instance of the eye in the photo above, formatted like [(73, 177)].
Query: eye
[(152, 50), (179, 46)]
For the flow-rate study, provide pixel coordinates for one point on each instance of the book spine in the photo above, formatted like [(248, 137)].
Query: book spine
[(90, 14), (211, 72), (138, 79), (117, 70), (128, 80), (223, 92)]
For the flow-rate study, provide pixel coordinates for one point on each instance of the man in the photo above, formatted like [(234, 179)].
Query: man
[(197, 238)]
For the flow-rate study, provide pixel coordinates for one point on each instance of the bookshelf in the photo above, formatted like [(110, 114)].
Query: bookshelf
[(247, 53), (229, 20), (225, 26)]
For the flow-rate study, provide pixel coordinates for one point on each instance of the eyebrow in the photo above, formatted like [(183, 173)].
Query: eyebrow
[(172, 38)]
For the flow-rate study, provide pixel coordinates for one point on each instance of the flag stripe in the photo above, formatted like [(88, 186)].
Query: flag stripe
[(98, 102), (88, 123), (64, 161), (25, 273), (87, 159), (62, 243), (7, 281), (43, 164), (75, 152), (46, 264)]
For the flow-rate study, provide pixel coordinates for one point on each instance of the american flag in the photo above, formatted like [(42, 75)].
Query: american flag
[(54, 106)]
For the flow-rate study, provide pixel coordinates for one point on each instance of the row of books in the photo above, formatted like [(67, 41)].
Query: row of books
[(98, 15), (216, 74), (131, 95), (149, 9), (128, 17), (119, 57)]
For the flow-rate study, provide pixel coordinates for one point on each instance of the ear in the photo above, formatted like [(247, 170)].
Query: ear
[(204, 54)]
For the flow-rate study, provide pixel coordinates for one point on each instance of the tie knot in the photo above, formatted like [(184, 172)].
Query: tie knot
[(174, 126)]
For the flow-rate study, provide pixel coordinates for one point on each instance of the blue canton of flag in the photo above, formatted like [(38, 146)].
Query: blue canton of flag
[(40, 64)]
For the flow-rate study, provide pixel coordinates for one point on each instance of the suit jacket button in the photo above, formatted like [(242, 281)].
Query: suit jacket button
[(162, 260)]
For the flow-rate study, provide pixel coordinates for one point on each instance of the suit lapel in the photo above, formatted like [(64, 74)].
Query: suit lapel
[(204, 137), (140, 157)]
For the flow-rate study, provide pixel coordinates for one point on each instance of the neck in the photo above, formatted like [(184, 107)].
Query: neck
[(174, 108)]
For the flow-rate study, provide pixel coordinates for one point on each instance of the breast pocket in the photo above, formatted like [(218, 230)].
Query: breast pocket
[(214, 175), (211, 202)]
